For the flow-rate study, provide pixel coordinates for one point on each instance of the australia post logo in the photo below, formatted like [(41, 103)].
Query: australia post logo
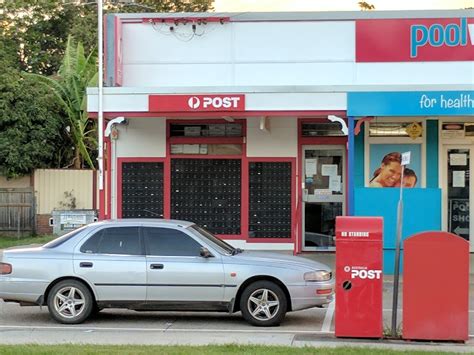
[(408, 40), (196, 103), (214, 102), (362, 272)]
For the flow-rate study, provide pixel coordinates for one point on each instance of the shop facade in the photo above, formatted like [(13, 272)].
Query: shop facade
[(246, 123)]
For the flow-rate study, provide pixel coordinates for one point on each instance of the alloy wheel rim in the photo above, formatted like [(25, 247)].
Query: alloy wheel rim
[(263, 304), (69, 302)]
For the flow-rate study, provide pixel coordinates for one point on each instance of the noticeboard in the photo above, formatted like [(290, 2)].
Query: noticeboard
[(458, 217)]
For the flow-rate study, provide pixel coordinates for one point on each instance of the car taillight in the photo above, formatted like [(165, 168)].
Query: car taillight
[(5, 269)]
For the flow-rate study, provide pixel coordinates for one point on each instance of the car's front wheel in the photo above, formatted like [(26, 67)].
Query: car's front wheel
[(70, 302), (264, 304)]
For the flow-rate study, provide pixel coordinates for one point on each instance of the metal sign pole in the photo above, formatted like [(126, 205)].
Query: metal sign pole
[(100, 113), (405, 161)]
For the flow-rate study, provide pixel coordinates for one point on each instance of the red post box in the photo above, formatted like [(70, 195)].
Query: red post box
[(359, 281), (436, 287)]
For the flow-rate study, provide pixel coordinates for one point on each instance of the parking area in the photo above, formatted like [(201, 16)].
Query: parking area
[(32, 324)]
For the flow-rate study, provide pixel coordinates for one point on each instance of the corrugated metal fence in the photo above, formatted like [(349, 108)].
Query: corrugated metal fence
[(63, 189), (17, 210)]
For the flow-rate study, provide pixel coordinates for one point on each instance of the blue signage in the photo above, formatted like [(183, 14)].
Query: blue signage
[(412, 103)]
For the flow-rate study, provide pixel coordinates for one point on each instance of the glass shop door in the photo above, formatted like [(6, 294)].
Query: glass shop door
[(323, 195), (457, 191)]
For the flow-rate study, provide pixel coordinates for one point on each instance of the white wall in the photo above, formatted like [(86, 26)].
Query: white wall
[(260, 53), (266, 53), (142, 137), (280, 141)]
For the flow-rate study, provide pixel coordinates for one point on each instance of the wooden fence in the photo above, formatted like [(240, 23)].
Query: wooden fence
[(17, 210)]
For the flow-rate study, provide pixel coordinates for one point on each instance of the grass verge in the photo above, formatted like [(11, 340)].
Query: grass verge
[(7, 242), (201, 350)]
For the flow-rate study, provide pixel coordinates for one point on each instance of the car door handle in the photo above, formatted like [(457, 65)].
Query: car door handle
[(86, 264), (157, 266)]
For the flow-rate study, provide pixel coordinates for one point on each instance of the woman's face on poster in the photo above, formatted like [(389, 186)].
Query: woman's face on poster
[(390, 173)]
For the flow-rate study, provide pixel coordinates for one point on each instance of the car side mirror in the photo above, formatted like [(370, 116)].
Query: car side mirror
[(205, 253)]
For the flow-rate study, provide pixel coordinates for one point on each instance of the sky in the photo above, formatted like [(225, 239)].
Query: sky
[(335, 5)]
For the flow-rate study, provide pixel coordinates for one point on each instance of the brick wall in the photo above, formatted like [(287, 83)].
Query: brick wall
[(42, 224)]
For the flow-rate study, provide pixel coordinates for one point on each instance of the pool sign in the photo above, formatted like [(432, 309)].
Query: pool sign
[(437, 35), (414, 103), (407, 40), (458, 218)]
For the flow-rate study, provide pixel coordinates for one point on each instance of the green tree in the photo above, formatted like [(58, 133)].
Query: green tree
[(30, 125), (76, 73), (40, 28)]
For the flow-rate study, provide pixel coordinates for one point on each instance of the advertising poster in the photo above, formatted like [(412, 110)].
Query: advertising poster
[(385, 165)]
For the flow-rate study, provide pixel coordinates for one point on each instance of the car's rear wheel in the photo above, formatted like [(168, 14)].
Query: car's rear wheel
[(264, 304), (70, 302)]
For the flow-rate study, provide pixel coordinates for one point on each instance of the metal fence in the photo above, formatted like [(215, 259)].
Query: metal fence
[(17, 210)]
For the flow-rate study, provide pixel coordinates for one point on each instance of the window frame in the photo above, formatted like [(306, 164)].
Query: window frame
[(206, 139)]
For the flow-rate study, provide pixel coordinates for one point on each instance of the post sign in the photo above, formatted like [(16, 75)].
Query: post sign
[(196, 103), (458, 217)]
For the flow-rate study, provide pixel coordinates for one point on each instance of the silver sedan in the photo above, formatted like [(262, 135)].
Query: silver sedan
[(168, 265)]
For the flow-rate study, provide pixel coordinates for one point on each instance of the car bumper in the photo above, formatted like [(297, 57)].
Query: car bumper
[(311, 294), (21, 291)]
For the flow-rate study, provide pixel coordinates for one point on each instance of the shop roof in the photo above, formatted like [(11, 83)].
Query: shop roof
[(306, 16), (277, 89)]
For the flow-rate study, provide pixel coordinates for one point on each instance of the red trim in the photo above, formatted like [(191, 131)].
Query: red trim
[(244, 198), (220, 114), (302, 141), (101, 204), (120, 162), (118, 74), (292, 238), (108, 176)]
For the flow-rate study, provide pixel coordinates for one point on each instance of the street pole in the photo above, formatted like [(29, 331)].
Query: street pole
[(100, 113), (397, 258)]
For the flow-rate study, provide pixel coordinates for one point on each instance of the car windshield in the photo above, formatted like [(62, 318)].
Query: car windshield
[(226, 247), (64, 238)]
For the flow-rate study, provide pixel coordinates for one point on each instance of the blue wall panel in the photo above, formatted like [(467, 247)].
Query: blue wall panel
[(421, 212)]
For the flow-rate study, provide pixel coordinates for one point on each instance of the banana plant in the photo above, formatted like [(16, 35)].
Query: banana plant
[(76, 73)]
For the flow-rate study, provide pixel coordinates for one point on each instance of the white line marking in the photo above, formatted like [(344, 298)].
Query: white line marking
[(165, 329), (328, 317)]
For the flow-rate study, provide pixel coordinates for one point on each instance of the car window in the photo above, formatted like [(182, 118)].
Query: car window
[(60, 240), (92, 244), (115, 240), (170, 242)]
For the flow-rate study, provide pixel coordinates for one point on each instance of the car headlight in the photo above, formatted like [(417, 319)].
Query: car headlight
[(320, 275)]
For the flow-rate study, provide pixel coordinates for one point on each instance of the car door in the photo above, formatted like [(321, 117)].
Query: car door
[(175, 270), (113, 260)]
